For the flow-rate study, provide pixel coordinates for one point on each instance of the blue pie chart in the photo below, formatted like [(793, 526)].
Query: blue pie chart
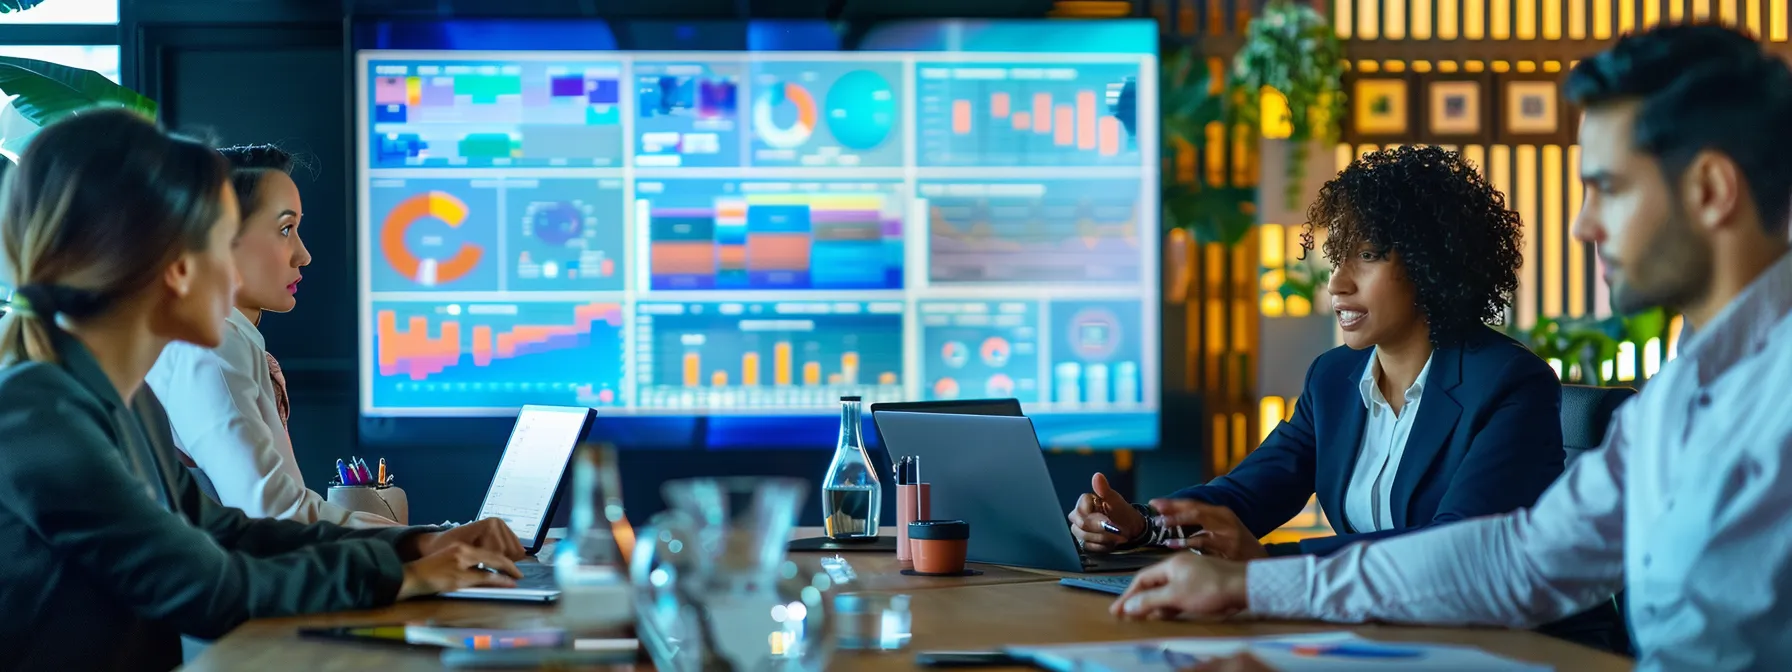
[(861, 109)]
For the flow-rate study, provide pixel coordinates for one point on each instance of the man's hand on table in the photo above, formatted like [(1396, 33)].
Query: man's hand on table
[(1185, 585)]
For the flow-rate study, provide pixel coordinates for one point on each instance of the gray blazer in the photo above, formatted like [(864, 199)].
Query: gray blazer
[(109, 551)]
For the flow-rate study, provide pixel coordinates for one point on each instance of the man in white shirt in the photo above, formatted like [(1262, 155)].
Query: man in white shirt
[(1687, 158)]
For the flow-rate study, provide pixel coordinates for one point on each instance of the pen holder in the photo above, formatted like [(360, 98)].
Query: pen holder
[(939, 546), (387, 502), (912, 504)]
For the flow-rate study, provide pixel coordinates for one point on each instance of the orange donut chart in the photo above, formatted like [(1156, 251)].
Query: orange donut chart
[(440, 205)]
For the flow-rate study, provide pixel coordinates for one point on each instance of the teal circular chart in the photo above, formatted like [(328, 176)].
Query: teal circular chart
[(861, 109)]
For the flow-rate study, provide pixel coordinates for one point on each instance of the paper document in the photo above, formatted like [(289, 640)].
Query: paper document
[(1320, 652)]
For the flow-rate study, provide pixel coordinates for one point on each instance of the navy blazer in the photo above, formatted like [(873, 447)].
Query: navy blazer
[(1487, 440)]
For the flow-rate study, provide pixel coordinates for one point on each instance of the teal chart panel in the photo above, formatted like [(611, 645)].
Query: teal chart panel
[(826, 114)]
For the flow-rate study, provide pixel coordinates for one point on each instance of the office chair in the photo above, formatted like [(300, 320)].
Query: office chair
[(1586, 415)]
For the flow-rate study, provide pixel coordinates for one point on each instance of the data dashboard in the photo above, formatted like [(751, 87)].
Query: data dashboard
[(759, 233)]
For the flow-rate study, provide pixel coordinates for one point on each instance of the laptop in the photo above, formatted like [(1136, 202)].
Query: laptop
[(989, 471), (526, 489)]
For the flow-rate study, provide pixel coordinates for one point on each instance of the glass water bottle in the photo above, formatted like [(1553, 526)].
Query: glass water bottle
[(851, 497), (591, 565)]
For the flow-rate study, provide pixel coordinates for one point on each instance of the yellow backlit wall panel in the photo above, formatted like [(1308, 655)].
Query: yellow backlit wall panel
[(1446, 19), (1777, 21), (1552, 230), (1754, 16), (1651, 13), (1727, 12), (1527, 20), (1269, 415), (1577, 258), (1502, 19), (1341, 17), (1395, 28), (1701, 10), (1626, 16), (1577, 19), (1552, 19), (1368, 19), (1602, 19), (1473, 27), (1525, 182), (1421, 20)]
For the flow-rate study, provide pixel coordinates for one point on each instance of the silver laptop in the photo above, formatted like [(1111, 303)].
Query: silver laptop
[(990, 472), (526, 488)]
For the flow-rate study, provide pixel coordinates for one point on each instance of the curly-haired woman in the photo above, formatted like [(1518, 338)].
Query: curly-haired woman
[(1425, 415)]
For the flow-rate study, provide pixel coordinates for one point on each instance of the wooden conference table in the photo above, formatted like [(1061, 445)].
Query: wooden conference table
[(1003, 606)]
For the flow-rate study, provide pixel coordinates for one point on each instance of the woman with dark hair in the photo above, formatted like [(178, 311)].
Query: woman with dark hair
[(1425, 415), (118, 238), (230, 415)]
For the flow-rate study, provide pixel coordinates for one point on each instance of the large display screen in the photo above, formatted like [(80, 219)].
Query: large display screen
[(940, 210)]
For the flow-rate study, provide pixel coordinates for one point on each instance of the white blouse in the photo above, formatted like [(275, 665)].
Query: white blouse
[(221, 404)]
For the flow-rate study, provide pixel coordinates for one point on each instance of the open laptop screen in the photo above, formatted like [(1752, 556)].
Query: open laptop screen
[(527, 481)]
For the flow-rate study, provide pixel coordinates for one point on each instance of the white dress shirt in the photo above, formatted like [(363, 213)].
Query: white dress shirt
[(1368, 501), (1688, 506), (221, 405)]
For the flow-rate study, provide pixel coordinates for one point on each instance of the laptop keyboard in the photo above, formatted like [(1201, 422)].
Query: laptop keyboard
[(537, 575), (1104, 583)]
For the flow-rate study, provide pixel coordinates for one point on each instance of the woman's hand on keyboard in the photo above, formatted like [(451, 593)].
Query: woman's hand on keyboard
[(454, 567), (491, 534)]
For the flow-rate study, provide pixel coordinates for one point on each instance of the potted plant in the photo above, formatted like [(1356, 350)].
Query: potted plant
[(1292, 49), (37, 93), (1307, 279), (1186, 105), (1585, 344)]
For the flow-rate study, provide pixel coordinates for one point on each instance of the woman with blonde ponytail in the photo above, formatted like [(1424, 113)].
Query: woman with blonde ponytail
[(118, 238)]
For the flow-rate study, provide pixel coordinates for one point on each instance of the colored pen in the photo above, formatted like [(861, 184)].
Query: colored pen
[(342, 471), (365, 474), (382, 478)]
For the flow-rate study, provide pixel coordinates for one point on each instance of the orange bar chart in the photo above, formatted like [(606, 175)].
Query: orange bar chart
[(961, 117), (1042, 112), (1109, 129), (812, 373), (998, 105), (1085, 120), (849, 368), (1022, 121), (749, 368), (693, 365), (1064, 131), (781, 363)]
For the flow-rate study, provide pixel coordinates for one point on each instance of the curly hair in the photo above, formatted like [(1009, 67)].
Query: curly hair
[(1458, 242)]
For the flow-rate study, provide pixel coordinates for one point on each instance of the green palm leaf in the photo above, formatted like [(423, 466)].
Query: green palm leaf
[(47, 92)]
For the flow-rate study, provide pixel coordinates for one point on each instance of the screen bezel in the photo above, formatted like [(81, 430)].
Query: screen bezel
[(533, 546)]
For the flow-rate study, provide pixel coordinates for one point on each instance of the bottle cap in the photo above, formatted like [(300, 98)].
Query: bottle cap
[(853, 398)]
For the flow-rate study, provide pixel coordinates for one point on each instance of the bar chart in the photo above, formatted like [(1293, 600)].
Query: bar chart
[(766, 354), (1023, 115), (480, 355)]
